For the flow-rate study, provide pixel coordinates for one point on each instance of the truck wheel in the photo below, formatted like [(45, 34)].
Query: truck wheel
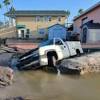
[(78, 52), (52, 61)]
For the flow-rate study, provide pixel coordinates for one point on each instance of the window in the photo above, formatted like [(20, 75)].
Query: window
[(84, 35), (37, 18), (27, 33), (58, 42), (59, 18), (41, 31), (84, 20), (41, 18), (48, 18), (22, 33)]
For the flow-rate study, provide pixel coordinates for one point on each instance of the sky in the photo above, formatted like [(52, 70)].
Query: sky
[(72, 5)]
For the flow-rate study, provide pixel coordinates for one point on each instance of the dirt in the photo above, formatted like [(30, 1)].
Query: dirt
[(86, 63)]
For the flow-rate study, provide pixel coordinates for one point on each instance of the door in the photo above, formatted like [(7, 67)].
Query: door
[(84, 36), (22, 33), (64, 48), (27, 33)]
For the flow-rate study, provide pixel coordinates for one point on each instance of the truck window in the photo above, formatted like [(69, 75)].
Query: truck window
[(58, 42)]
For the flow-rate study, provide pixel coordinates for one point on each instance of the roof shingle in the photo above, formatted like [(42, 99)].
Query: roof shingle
[(37, 13)]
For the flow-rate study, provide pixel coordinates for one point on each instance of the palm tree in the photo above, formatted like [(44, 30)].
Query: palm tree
[(68, 14), (80, 11), (0, 6), (6, 3), (12, 11), (1, 22), (1, 9)]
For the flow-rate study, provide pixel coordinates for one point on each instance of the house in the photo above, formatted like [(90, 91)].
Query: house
[(34, 23), (57, 31), (88, 24)]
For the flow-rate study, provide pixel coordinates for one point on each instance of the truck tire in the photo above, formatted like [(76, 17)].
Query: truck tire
[(78, 53), (52, 61)]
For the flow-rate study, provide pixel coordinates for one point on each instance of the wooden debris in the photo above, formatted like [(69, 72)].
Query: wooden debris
[(6, 76)]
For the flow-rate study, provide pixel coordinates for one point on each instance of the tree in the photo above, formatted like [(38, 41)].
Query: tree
[(0, 6), (80, 11), (1, 24), (0, 21), (68, 14), (6, 3), (12, 11)]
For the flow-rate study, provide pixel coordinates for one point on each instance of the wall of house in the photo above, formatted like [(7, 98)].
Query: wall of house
[(93, 15), (93, 35), (33, 25), (57, 31)]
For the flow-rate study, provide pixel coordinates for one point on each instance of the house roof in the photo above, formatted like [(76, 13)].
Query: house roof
[(87, 11), (19, 13), (56, 25), (92, 25)]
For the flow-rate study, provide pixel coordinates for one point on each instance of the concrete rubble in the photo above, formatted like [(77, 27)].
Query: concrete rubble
[(86, 63), (6, 76)]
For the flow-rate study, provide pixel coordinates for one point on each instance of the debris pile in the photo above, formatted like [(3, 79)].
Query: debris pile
[(85, 64), (18, 98), (15, 98), (6, 76)]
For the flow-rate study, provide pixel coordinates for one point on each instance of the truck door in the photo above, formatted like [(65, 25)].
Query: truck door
[(64, 48)]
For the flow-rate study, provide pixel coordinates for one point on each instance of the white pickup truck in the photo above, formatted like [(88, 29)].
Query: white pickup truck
[(48, 53)]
